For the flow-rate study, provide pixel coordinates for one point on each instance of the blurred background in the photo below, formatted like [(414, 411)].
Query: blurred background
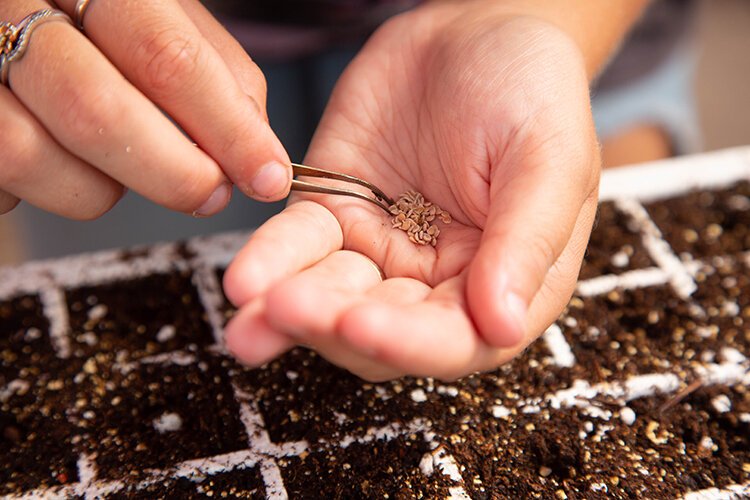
[(721, 44)]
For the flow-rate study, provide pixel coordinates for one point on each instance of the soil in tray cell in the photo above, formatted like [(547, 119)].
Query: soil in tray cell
[(139, 416), (36, 438), (303, 397), (705, 224), (723, 294), (24, 336), (615, 245), (158, 313), (378, 469), (630, 332)]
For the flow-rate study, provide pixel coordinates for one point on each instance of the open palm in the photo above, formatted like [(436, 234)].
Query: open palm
[(490, 121)]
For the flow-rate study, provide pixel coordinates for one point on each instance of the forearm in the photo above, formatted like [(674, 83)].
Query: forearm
[(597, 27)]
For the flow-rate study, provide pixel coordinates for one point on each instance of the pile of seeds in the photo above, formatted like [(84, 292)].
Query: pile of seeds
[(413, 214)]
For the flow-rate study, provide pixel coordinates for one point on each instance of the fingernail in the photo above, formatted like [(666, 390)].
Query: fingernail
[(517, 310), (216, 202), (271, 180)]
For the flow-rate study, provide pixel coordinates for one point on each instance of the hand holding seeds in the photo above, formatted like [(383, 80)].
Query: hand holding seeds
[(488, 122)]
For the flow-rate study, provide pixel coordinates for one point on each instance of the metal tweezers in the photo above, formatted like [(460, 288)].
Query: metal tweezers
[(379, 198)]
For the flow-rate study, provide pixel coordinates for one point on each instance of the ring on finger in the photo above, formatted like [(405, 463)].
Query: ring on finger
[(8, 36), (18, 37), (80, 11), (376, 267)]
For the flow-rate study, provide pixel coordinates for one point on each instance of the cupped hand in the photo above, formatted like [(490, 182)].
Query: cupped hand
[(489, 118), (82, 116)]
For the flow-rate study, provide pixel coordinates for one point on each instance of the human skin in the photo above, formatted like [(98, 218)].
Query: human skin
[(82, 116), (484, 108)]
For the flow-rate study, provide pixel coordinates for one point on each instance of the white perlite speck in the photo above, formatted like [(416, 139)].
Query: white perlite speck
[(418, 396), (168, 422), (499, 411), (730, 308), (17, 386), (627, 415), (32, 334), (732, 355), (427, 464), (98, 312), (707, 443), (599, 487), (721, 403), (449, 390), (166, 333), (620, 259)]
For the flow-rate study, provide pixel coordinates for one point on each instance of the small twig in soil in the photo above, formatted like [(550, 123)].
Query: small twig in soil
[(606, 401), (692, 387), (600, 401)]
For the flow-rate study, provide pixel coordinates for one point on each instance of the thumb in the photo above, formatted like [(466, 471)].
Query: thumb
[(531, 219)]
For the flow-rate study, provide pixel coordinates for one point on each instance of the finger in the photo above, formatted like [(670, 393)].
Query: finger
[(7, 202), (322, 293), (308, 305), (86, 105), (35, 168), (158, 48), (301, 235), (561, 280), (400, 291), (531, 220), (391, 291), (433, 337), (250, 339), (361, 365), (248, 75)]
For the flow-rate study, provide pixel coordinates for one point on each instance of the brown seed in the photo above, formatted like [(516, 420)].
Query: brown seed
[(414, 215)]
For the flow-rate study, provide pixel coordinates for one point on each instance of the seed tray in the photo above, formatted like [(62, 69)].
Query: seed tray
[(113, 382)]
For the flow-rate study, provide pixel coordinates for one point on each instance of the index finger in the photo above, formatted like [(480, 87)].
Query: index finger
[(161, 51)]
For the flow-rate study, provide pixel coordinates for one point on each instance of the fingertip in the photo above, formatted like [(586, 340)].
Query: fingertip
[(252, 341), (271, 182), (7, 202), (516, 310), (498, 311), (267, 171), (241, 282), (216, 202)]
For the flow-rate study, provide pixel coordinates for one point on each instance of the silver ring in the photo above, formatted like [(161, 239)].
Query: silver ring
[(80, 11), (22, 36)]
